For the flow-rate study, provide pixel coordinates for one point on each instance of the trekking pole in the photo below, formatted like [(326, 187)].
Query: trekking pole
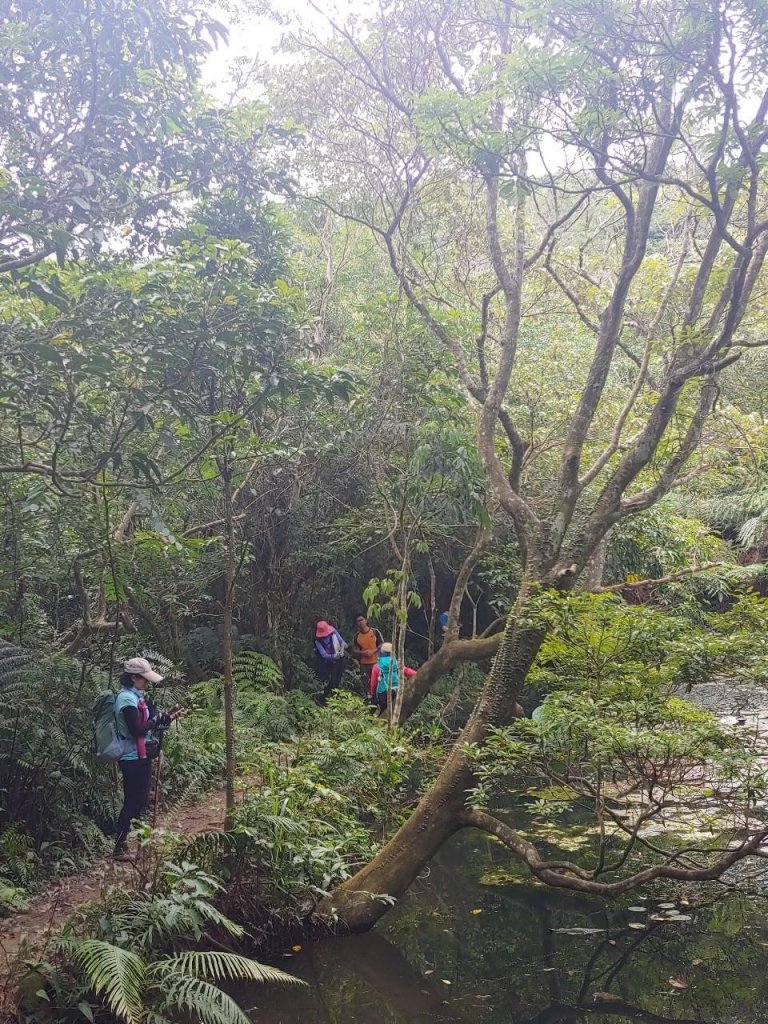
[(157, 789)]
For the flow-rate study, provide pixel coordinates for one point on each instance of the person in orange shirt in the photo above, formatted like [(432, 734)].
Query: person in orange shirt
[(365, 646)]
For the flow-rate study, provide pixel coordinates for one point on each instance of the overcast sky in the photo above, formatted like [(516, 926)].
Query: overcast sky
[(257, 37)]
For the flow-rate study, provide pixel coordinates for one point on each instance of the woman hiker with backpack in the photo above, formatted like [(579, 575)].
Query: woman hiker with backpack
[(134, 723), (385, 677)]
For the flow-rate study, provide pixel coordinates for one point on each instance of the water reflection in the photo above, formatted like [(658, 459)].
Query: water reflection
[(474, 945)]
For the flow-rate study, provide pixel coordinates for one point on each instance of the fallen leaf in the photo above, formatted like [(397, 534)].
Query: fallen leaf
[(638, 927), (667, 906), (697, 962), (678, 983), (295, 949), (431, 971), (477, 910), (606, 997), (445, 981), (638, 910)]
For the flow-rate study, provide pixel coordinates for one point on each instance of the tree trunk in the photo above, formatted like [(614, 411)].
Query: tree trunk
[(593, 576), (229, 601), (432, 617), (440, 811)]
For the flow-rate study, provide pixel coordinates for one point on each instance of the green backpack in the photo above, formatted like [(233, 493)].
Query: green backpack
[(110, 745)]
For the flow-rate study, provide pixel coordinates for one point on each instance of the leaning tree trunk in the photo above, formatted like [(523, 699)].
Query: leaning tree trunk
[(440, 811)]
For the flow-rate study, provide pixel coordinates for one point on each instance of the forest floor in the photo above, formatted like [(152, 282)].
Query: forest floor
[(30, 929)]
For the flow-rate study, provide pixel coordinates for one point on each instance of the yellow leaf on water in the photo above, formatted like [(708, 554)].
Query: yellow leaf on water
[(296, 949), (477, 910)]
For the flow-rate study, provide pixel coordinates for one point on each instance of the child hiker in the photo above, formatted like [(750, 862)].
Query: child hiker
[(385, 677)]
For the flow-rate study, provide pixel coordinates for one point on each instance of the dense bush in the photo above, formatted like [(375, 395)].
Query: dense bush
[(131, 956), (55, 796), (315, 815)]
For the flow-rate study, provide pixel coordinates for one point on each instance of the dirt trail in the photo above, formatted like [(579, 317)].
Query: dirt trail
[(48, 911)]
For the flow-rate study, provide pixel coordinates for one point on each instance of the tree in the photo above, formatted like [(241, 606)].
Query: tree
[(602, 166), (97, 122)]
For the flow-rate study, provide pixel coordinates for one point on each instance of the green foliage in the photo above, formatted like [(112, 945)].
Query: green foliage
[(448, 705), (53, 790), (112, 100), (344, 789), (124, 959), (614, 734), (167, 329), (390, 595), (254, 671), (118, 975), (596, 642)]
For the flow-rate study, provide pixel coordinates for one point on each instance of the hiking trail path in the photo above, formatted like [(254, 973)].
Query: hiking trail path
[(47, 912)]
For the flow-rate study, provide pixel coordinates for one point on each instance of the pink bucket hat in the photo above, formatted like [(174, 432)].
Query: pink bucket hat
[(323, 629)]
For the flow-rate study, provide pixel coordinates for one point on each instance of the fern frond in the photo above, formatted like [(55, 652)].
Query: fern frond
[(204, 1001), (259, 671), (288, 825), (13, 660), (116, 974), (215, 966), (215, 916)]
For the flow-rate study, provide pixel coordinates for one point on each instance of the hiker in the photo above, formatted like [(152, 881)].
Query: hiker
[(386, 677), (134, 721), (365, 647), (442, 624), (330, 648)]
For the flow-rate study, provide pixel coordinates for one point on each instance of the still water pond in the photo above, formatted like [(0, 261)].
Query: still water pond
[(475, 943)]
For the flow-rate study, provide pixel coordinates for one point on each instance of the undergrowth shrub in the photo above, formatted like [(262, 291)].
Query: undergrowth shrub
[(448, 705), (54, 796), (131, 957), (316, 816)]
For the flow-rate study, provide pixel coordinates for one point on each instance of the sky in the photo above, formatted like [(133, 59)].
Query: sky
[(256, 37)]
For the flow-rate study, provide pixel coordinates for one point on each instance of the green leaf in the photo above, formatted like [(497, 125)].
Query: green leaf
[(217, 966), (116, 974)]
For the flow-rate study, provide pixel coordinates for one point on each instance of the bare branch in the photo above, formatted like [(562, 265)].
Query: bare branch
[(691, 570)]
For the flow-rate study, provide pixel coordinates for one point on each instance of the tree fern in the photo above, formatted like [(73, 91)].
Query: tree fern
[(115, 974), (215, 966)]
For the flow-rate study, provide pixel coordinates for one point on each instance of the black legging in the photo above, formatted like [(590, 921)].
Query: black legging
[(137, 781), (330, 673)]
